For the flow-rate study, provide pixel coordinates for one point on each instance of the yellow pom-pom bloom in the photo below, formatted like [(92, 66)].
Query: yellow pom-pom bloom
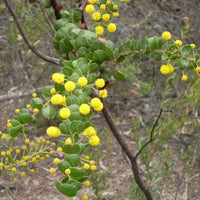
[(92, 162), (166, 35), (103, 93), (87, 183), (70, 86), (92, 1), (58, 99), (84, 109), (53, 131), (108, 3), (93, 167), (193, 45), (17, 151), (90, 131), (87, 157), (82, 81), (17, 111), (178, 42), (58, 78), (86, 166), (59, 149), (34, 95), (35, 110), (106, 17), (99, 30), (166, 69), (197, 69), (65, 113), (111, 27), (96, 16), (89, 9), (13, 169), (184, 77), (3, 153), (22, 174), (15, 179), (67, 171), (32, 171), (53, 91), (99, 108), (52, 170), (52, 152), (100, 83), (94, 140), (3, 137), (103, 6), (95, 102), (116, 14), (28, 106), (56, 160), (84, 197), (1, 164), (68, 141), (115, 7), (27, 141), (9, 125)]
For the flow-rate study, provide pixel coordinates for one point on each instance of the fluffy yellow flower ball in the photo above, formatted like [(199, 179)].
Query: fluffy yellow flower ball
[(52, 171), (166, 35), (58, 78), (116, 14), (103, 93), (92, 1), (184, 77), (99, 30), (166, 69), (68, 141), (178, 42), (65, 113), (53, 131), (100, 82), (103, 6), (58, 99), (90, 131), (111, 27), (96, 16), (67, 171), (96, 104), (197, 69), (84, 109), (94, 140), (82, 81), (70, 86), (106, 17), (89, 9)]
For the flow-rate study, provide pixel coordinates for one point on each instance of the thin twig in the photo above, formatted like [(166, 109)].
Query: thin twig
[(56, 11), (30, 45), (151, 135), (46, 17), (8, 191)]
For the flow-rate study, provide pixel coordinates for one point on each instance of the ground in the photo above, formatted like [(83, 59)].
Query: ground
[(20, 76)]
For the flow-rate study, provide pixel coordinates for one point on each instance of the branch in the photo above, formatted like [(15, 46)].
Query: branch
[(33, 49), (151, 135), (56, 11), (8, 191), (46, 17), (122, 143)]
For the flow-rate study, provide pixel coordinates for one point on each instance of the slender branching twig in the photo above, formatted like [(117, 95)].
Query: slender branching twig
[(30, 45)]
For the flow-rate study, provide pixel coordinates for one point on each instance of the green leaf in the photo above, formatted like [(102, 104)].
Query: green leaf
[(186, 50), (128, 45), (48, 112), (75, 138), (25, 118), (109, 53), (72, 100), (67, 71), (75, 183), (65, 46), (98, 45), (156, 56), (118, 76), (140, 45), (160, 42), (15, 130), (14, 122), (165, 56), (62, 166), (46, 92), (183, 63), (71, 149), (77, 126), (74, 107), (65, 180), (83, 179), (83, 99), (94, 67), (60, 23), (120, 59), (66, 189), (80, 42), (74, 77), (65, 127), (36, 103), (73, 159), (83, 51), (77, 116), (91, 78), (59, 87), (76, 173), (100, 56)]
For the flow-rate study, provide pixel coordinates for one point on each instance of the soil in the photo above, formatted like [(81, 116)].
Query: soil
[(20, 76)]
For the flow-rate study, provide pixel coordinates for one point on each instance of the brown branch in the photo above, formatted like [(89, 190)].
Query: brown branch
[(56, 11), (151, 135), (46, 17), (30, 45), (122, 143)]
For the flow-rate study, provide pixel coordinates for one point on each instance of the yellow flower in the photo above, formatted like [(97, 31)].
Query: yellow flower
[(13, 169), (67, 171), (52, 170), (100, 82), (89, 9), (17, 111), (178, 42), (108, 3), (15, 179), (58, 78), (116, 14), (99, 30), (82, 81), (193, 45), (28, 106), (3, 137), (68, 141), (84, 109), (86, 166), (65, 113), (53, 131), (197, 69), (96, 104), (111, 27), (166, 35), (70, 86), (92, 1), (93, 167), (34, 95), (58, 99), (103, 6), (115, 7), (53, 91), (84, 197), (103, 93), (166, 69), (106, 17), (59, 149), (94, 140), (56, 160), (22, 174), (184, 77), (90, 131), (17, 151), (96, 16), (35, 110), (87, 183)]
